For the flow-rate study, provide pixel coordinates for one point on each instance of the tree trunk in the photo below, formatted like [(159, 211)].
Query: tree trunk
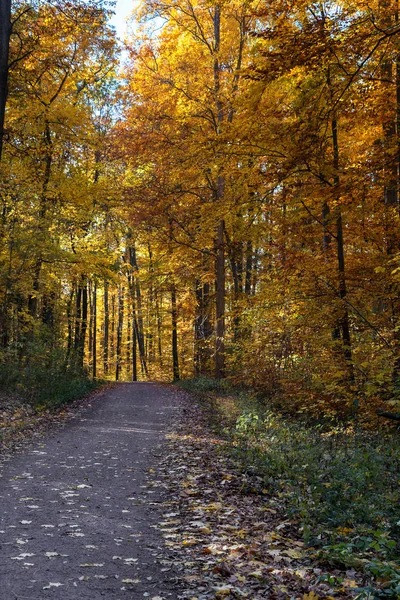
[(174, 314), (249, 267), (128, 340), (203, 329), (5, 33), (118, 366), (159, 330), (106, 329), (78, 316), (112, 332), (134, 350), (219, 240), (90, 335), (137, 306), (344, 324), (70, 326), (94, 332), (83, 328), (220, 303)]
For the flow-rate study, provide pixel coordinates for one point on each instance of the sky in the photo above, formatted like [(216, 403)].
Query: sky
[(122, 11)]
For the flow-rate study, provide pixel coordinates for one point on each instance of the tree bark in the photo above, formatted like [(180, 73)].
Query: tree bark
[(112, 328), (137, 308), (344, 324), (70, 325), (220, 303), (134, 349), (174, 315), (5, 33), (106, 330), (94, 332), (219, 240), (83, 329), (118, 364), (203, 329)]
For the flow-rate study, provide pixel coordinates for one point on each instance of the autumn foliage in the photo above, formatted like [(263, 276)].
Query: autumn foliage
[(227, 205)]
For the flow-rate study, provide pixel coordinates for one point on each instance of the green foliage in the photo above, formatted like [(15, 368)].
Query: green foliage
[(43, 380), (341, 486), (204, 385)]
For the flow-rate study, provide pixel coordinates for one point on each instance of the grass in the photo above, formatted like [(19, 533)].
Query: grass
[(341, 485)]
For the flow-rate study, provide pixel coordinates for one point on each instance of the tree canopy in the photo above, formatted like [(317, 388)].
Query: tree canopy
[(226, 203)]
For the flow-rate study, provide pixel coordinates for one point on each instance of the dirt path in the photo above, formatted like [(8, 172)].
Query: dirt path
[(78, 508)]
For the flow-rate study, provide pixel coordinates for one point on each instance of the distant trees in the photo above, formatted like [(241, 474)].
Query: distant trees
[(227, 207), (268, 138)]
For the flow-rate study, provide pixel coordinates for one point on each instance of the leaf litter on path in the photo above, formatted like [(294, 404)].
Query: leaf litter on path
[(226, 535)]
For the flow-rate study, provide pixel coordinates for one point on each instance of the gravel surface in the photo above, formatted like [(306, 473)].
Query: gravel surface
[(79, 508)]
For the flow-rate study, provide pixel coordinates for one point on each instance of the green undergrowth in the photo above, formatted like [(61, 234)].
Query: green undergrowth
[(340, 485), (45, 384)]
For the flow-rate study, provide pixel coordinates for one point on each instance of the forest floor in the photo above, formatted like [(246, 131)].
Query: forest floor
[(132, 494)]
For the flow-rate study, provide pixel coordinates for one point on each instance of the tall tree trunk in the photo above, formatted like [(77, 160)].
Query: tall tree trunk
[(236, 261), (159, 330), (84, 324), (106, 329), (78, 316), (220, 303), (70, 326), (128, 340), (151, 352), (326, 246), (118, 366), (137, 310), (94, 332), (90, 334), (174, 315), (33, 299), (134, 348), (344, 313), (112, 332), (249, 267), (5, 33), (203, 329), (219, 240)]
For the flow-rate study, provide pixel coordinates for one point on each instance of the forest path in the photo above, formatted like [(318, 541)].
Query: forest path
[(79, 507)]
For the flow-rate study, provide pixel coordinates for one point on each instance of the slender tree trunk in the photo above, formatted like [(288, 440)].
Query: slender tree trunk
[(78, 317), (128, 340), (33, 299), (344, 313), (219, 240), (112, 332), (134, 349), (159, 330), (90, 335), (203, 329), (249, 268), (106, 329), (118, 367), (84, 324), (326, 246), (94, 332), (151, 352), (220, 303), (235, 258), (5, 33), (138, 313), (70, 326), (174, 314)]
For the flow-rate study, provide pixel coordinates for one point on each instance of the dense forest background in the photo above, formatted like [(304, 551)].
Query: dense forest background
[(225, 204)]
